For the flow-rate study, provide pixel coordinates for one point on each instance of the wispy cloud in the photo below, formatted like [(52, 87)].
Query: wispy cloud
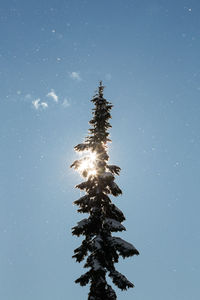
[(44, 105), (75, 76), (37, 104), (65, 103), (53, 95)]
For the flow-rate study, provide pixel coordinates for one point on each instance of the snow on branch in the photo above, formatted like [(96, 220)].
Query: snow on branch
[(75, 164), (94, 263), (113, 225), (86, 185), (82, 201), (81, 251), (97, 242), (110, 293), (115, 190), (106, 176), (84, 279), (120, 280), (114, 212), (82, 227), (125, 249), (81, 147), (114, 169)]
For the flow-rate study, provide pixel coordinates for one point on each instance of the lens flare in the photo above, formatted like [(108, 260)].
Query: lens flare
[(88, 164)]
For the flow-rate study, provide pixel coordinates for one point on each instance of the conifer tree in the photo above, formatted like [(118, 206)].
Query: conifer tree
[(99, 247)]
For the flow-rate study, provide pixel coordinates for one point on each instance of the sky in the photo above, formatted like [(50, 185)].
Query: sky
[(52, 56)]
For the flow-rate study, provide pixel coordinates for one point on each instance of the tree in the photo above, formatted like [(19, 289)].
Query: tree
[(99, 246)]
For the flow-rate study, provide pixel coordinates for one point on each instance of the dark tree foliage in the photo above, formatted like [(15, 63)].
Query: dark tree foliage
[(100, 248)]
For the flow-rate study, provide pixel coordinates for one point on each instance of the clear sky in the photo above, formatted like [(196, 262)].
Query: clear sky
[(52, 56)]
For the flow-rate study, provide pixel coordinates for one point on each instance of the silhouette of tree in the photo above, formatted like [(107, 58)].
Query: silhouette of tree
[(100, 248)]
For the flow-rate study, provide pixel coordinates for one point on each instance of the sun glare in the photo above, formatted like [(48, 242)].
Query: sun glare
[(88, 164)]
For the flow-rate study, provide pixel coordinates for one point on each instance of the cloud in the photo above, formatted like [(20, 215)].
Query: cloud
[(36, 104), (65, 103), (44, 105), (75, 76), (53, 95)]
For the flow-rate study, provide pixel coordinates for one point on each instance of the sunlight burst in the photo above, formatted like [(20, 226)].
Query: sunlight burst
[(88, 164)]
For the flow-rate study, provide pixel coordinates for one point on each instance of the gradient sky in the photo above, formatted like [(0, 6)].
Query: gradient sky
[(52, 56)]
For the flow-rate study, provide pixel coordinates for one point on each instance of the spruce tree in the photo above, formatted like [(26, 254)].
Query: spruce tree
[(101, 248)]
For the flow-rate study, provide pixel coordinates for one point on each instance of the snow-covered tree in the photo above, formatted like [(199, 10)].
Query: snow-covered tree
[(99, 247)]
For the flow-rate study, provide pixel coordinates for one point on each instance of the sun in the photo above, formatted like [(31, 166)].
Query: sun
[(88, 164)]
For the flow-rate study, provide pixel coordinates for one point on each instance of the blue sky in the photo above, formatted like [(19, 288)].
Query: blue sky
[(52, 56)]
